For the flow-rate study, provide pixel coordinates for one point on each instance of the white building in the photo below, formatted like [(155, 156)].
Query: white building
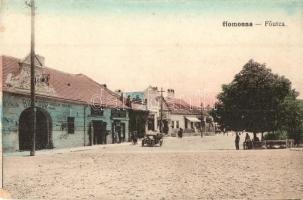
[(176, 113)]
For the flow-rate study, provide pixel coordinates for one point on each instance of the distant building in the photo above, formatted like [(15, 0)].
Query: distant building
[(151, 98), (176, 113), (138, 117), (138, 112), (72, 109), (183, 115)]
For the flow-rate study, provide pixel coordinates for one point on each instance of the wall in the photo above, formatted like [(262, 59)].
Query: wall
[(153, 105), (14, 104), (181, 119), (1, 71), (176, 117)]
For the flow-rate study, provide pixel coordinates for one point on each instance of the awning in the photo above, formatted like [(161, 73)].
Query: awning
[(193, 119)]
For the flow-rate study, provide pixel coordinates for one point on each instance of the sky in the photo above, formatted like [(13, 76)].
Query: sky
[(178, 44)]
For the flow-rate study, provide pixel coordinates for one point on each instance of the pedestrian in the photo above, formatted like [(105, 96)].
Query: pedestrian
[(237, 141), (134, 137), (180, 133), (247, 142)]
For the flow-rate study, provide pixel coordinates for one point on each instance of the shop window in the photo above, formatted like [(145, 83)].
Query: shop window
[(177, 124), (71, 125), (173, 124)]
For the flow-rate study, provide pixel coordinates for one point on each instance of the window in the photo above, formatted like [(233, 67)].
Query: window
[(96, 111), (177, 124), (116, 113), (71, 125), (172, 124)]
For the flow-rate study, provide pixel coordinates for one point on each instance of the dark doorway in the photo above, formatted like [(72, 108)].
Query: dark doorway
[(43, 130), (165, 126), (99, 132), (151, 124), (123, 132), (118, 132)]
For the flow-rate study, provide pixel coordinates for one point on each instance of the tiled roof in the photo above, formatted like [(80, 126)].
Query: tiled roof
[(72, 87), (179, 106)]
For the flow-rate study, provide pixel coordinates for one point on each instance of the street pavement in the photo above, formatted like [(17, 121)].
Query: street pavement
[(187, 168)]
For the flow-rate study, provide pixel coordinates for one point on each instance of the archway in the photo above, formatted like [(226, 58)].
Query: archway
[(43, 130)]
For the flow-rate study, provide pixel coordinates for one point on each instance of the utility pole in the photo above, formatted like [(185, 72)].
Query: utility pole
[(161, 110), (202, 108), (32, 60)]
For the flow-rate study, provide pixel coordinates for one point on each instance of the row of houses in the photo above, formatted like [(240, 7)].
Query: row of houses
[(169, 113), (74, 110)]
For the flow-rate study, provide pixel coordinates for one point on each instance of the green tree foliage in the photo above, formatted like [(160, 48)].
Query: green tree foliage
[(257, 101), (290, 117)]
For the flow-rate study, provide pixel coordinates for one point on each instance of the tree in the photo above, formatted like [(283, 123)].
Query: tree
[(253, 101), (290, 117)]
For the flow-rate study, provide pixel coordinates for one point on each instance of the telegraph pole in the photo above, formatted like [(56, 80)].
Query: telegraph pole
[(202, 117), (32, 58), (161, 110)]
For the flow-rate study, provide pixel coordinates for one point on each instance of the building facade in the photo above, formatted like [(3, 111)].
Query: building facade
[(183, 115), (151, 97), (174, 112), (72, 110)]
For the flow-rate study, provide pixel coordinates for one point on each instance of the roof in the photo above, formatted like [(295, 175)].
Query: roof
[(74, 87), (179, 106)]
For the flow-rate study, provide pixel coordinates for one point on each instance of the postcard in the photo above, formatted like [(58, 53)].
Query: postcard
[(151, 99)]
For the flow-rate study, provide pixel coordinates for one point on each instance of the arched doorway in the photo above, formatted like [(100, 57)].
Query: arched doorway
[(43, 130)]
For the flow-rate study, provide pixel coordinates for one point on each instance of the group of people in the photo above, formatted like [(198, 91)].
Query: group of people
[(248, 143)]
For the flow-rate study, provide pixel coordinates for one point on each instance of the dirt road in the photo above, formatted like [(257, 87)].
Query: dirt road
[(188, 168)]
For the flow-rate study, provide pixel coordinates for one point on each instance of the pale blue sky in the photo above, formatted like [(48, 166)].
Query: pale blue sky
[(179, 44), (160, 6)]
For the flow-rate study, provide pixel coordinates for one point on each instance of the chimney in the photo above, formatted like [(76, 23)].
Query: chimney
[(118, 91), (121, 94), (170, 93)]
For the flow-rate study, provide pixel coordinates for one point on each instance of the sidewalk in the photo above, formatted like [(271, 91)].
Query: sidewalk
[(65, 150)]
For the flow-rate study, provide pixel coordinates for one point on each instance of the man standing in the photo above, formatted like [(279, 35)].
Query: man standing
[(180, 133), (237, 141)]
